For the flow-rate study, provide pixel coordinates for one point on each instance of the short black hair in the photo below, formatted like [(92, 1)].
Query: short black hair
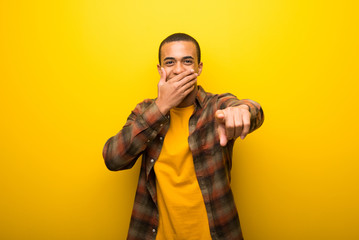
[(180, 37)]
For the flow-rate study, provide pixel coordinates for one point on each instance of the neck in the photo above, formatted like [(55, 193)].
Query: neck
[(189, 99)]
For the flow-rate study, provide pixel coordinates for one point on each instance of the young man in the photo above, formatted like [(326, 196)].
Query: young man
[(186, 138)]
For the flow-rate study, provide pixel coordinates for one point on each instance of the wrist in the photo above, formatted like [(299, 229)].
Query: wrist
[(164, 109)]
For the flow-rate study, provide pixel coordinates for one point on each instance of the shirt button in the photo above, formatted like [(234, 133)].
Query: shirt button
[(154, 230), (161, 125), (152, 160), (148, 140), (161, 138)]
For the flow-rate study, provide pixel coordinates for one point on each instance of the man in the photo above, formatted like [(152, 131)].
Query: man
[(186, 138)]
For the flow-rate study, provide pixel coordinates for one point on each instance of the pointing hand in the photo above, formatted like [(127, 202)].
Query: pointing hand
[(232, 123)]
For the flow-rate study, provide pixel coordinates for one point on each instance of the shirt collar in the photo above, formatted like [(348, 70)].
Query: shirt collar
[(201, 96)]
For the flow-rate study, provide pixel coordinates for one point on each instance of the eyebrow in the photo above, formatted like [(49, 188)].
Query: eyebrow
[(172, 58)]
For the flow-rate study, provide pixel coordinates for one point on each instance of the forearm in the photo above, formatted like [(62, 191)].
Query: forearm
[(122, 150), (117, 155), (256, 111)]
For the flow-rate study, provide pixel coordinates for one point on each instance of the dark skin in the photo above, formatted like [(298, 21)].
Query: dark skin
[(177, 87)]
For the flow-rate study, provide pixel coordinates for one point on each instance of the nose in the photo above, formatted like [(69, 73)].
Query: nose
[(178, 68)]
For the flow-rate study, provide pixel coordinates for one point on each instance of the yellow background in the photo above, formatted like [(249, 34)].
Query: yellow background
[(71, 72)]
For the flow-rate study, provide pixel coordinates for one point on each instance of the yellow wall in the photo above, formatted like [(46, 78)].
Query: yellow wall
[(71, 72)]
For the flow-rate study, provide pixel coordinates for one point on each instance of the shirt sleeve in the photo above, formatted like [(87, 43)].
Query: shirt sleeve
[(122, 150), (255, 109)]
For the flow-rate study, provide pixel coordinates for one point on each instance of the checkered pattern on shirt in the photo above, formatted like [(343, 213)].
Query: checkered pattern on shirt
[(142, 134)]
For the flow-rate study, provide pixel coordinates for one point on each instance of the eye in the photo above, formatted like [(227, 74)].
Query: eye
[(188, 61), (169, 62)]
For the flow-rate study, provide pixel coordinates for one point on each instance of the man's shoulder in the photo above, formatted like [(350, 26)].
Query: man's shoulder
[(143, 105), (209, 96), (146, 102)]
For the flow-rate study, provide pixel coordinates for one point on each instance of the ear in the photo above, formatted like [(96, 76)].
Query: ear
[(159, 69), (200, 66)]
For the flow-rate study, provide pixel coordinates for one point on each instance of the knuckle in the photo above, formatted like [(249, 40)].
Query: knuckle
[(243, 110)]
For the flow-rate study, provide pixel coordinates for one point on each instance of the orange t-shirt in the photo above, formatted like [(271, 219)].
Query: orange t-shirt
[(182, 213)]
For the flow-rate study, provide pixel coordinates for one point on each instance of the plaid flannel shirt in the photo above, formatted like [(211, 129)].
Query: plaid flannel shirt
[(143, 134)]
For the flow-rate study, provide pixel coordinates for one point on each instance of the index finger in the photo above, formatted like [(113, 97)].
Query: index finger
[(163, 76)]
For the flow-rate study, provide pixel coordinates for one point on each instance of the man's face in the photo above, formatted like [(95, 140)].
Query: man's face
[(179, 56)]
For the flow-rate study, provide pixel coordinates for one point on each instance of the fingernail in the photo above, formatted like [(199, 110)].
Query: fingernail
[(192, 70)]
